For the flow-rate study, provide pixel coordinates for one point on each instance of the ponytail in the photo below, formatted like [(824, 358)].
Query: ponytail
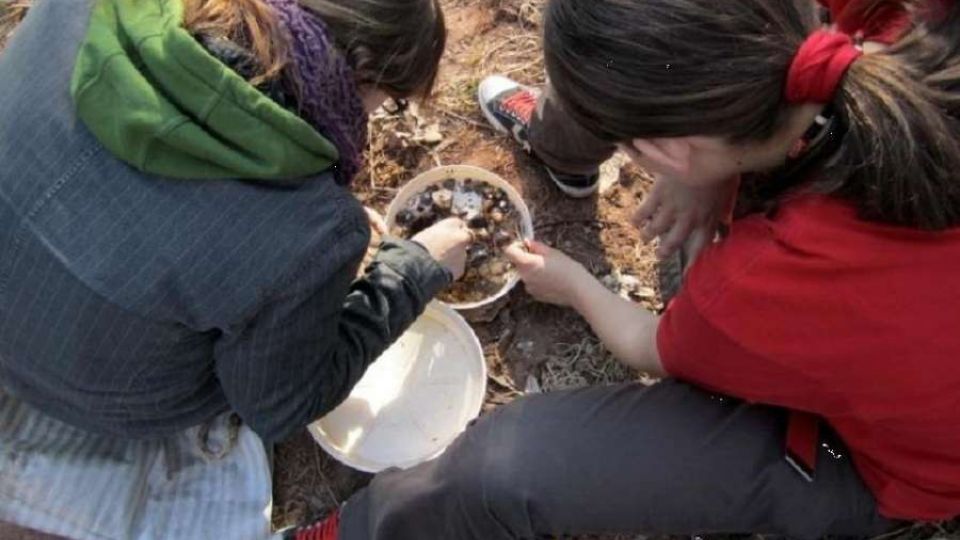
[(628, 69), (900, 157)]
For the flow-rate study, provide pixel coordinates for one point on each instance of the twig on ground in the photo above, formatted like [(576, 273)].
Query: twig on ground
[(895, 533), (568, 222), (326, 481), (524, 67), (470, 121)]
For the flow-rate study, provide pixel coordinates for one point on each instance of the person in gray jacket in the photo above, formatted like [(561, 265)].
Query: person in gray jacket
[(179, 249)]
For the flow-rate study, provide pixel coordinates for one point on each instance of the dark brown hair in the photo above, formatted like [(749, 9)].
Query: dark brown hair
[(631, 69), (393, 45)]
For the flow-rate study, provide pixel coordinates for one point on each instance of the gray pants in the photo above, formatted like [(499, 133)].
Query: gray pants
[(561, 143), (207, 482), (669, 459)]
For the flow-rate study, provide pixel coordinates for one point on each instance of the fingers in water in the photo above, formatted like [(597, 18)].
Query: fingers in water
[(515, 252), (538, 248), (523, 258)]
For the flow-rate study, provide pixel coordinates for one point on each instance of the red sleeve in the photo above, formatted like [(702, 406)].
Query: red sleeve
[(734, 327)]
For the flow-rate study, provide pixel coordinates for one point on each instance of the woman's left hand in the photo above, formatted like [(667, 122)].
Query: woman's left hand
[(685, 217), (549, 274)]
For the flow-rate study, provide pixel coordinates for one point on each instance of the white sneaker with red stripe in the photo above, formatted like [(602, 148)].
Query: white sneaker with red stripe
[(509, 107)]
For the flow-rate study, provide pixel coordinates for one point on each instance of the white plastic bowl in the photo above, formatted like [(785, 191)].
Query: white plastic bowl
[(463, 172), (413, 401)]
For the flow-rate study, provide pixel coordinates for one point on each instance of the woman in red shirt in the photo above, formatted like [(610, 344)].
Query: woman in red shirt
[(827, 314)]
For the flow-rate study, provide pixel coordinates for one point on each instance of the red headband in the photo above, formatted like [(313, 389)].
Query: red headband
[(881, 21), (819, 67), (825, 57)]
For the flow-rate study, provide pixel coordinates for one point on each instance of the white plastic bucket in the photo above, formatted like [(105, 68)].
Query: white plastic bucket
[(413, 401)]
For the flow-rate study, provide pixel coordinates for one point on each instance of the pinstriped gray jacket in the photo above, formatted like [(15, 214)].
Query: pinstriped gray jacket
[(138, 305)]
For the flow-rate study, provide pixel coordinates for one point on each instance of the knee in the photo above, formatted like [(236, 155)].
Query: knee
[(495, 477), (487, 485)]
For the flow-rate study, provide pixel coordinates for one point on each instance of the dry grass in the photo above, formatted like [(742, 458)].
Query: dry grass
[(582, 364)]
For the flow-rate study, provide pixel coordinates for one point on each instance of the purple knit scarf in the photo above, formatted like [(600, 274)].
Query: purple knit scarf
[(328, 95)]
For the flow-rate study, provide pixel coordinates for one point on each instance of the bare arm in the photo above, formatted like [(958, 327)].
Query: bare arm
[(626, 329)]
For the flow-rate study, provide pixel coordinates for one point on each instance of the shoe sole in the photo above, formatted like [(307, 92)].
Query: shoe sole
[(575, 193), (488, 114), (572, 192)]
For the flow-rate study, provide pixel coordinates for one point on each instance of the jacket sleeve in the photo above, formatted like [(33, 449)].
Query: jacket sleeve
[(303, 353)]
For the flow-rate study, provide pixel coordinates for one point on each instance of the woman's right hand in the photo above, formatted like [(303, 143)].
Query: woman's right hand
[(550, 275), (447, 242)]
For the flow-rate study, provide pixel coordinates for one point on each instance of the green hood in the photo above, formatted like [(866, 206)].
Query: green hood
[(158, 100)]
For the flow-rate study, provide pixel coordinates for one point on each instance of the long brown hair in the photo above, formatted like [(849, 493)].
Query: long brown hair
[(393, 45), (249, 22), (631, 69), (11, 13)]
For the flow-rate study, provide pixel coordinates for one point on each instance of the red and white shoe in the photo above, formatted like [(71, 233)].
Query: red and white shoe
[(326, 529), (509, 107)]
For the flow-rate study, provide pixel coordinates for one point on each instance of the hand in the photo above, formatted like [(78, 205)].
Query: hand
[(550, 275), (377, 223), (447, 241), (683, 216)]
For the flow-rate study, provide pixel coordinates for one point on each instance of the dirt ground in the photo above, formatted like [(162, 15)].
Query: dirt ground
[(523, 341), (527, 345)]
